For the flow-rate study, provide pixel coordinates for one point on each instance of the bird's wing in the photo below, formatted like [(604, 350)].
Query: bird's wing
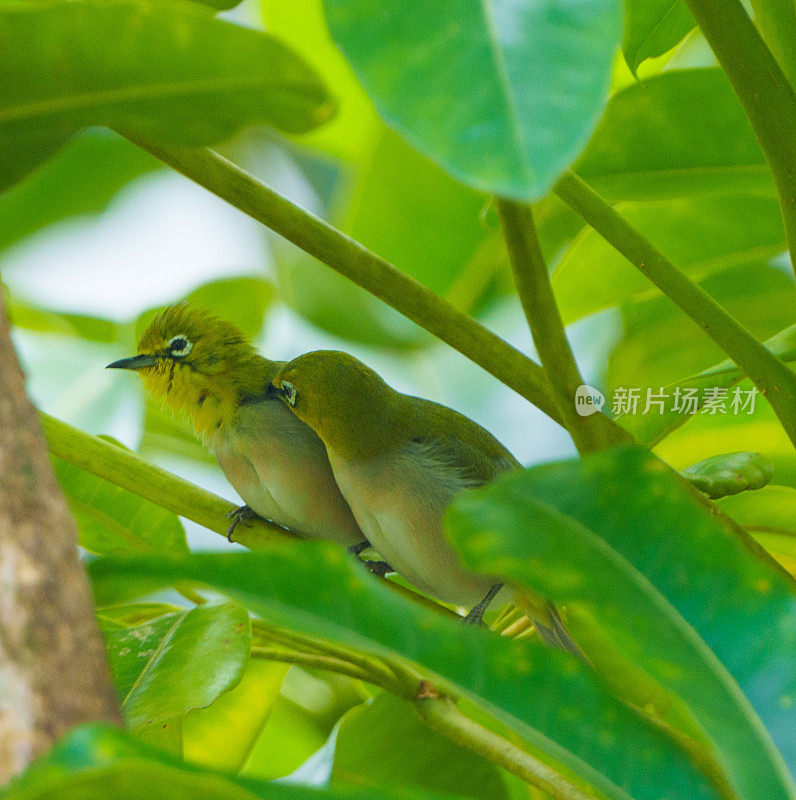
[(463, 464)]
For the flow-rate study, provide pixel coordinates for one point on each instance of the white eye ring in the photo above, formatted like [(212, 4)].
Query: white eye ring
[(289, 393), (184, 350)]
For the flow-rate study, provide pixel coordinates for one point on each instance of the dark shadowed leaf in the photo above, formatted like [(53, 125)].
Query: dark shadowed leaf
[(314, 588), (653, 27)]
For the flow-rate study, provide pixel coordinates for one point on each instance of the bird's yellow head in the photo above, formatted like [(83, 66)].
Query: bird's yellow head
[(198, 364), (346, 403)]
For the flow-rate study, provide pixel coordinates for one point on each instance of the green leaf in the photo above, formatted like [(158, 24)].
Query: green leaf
[(618, 540), (94, 762), (660, 345), (165, 70), (164, 668), (384, 743), (314, 588), (129, 615), (770, 516), (502, 94), (113, 521), (352, 134), (222, 736), (730, 473), (81, 180), (675, 135), (701, 235), (653, 27), (410, 212)]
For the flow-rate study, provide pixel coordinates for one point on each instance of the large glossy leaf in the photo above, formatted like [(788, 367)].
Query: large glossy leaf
[(545, 695), (82, 179), (384, 743), (618, 539), (701, 235), (352, 133), (113, 521), (95, 762), (677, 134), (502, 94), (409, 211), (653, 27), (166, 70), (172, 664), (222, 736), (661, 347)]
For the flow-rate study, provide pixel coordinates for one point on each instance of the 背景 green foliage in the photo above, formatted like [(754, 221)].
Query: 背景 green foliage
[(244, 664)]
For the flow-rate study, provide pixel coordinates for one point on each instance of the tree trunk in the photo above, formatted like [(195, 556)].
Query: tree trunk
[(53, 670)]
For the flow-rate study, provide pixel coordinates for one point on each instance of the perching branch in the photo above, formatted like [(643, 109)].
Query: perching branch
[(53, 671), (589, 432), (765, 93), (773, 378)]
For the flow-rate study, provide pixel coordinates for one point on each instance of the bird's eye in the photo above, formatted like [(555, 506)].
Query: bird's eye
[(289, 393), (179, 345)]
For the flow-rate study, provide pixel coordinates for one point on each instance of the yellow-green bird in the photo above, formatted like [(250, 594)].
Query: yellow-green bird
[(399, 462), (205, 367)]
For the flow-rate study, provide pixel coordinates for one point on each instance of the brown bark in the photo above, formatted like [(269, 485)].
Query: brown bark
[(53, 670)]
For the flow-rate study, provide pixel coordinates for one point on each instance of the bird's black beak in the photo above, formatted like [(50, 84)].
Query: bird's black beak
[(136, 362)]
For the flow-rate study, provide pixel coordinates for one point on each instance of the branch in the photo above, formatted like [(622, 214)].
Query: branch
[(764, 91), (442, 715), (591, 432), (773, 378), (362, 267), (53, 670)]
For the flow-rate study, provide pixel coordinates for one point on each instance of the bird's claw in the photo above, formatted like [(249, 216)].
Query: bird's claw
[(379, 568), (240, 516)]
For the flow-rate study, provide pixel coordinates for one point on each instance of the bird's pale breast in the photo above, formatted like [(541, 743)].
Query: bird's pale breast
[(398, 500), (280, 469)]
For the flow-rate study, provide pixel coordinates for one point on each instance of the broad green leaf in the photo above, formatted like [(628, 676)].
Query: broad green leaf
[(82, 179), (95, 762), (730, 473), (618, 540), (165, 70), (678, 134), (502, 94), (352, 134), (770, 516), (701, 235), (170, 665), (409, 211), (222, 736), (384, 743), (312, 587), (653, 27), (660, 346), (113, 521)]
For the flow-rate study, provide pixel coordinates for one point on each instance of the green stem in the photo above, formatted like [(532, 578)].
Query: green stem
[(442, 715), (765, 93), (589, 432), (327, 663), (362, 267), (773, 378)]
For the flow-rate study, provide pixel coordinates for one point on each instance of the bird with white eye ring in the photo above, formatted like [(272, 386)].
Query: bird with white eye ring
[(399, 462), (205, 367)]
